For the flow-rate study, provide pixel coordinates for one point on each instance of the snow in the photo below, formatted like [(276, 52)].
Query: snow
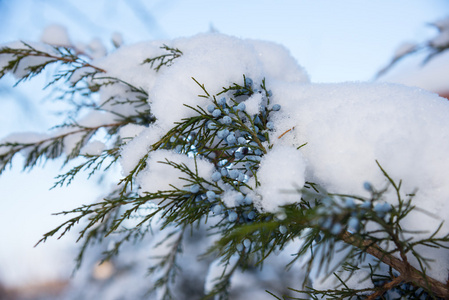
[(138, 147), (280, 174), (346, 126), (253, 104), (215, 60), (349, 126), (93, 148), (126, 63), (56, 35)]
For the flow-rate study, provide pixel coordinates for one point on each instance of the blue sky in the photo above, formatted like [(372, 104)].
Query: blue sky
[(334, 40)]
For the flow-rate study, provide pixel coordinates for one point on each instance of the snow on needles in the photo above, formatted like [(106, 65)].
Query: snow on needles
[(280, 174), (347, 127), (216, 61), (343, 128)]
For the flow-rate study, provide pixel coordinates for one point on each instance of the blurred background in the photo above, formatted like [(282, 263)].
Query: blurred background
[(336, 41)]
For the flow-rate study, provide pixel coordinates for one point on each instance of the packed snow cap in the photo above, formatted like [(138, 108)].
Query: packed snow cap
[(330, 134)]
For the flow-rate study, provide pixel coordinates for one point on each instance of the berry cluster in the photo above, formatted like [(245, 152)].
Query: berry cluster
[(235, 142), (338, 213)]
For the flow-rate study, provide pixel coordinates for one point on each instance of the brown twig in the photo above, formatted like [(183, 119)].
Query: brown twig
[(408, 272)]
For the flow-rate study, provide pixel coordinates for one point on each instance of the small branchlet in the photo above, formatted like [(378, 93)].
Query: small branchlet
[(165, 59), (20, 57)]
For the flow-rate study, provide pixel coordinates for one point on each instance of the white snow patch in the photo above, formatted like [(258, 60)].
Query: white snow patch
[(281, 172), (138, 147), (93, 148), (216, 61), (253, 104), (347, 127)]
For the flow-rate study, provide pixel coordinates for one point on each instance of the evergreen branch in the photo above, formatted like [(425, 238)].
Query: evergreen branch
[(93, 162), (50, 148), (165, 59), (167, 264), (222, 285), (64, 55)]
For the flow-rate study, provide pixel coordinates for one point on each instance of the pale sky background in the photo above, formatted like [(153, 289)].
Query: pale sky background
[(335, 41)]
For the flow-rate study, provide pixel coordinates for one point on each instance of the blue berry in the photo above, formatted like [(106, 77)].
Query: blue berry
[(172, 139), (282, 229), (251, 215), (222, 134), (327, 223), (255, 158), (231, 139), (210, 108), (248, 81), (247, 243), (211, 125), (270, 125), (367, 186), (269, 94), (227, 120), (336, 229), (222, 101), (349, 203), (248, 200), (217, 209), (257, 152), (178, 148), (276, 107), (241, 177), (365, 205), (232, 216), (239, 155), (216, 176), (239, 247), (224, 172), (216, 113), (381, 209), (211, 195), (241, 106), (241, 140), (234, 174), (194, 188), (354, 223)]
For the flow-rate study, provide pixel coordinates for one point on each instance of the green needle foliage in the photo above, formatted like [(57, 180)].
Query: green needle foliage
[(368, 231)]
